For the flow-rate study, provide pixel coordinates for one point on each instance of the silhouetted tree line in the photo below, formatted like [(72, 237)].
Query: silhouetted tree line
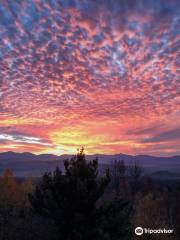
[(81, 204)]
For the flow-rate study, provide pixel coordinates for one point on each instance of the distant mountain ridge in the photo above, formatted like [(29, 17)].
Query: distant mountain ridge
[(27, 156), (31, 164), (13, 157), (49, 157)]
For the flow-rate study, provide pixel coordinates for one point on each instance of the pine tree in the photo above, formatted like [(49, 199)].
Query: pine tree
[(70, 199)]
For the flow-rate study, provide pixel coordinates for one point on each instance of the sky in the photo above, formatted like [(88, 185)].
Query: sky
[(103, 74)]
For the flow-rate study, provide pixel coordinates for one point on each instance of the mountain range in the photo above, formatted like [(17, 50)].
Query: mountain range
[(29, 164)]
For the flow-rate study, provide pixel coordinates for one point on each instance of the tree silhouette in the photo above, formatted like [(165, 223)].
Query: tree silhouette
[(72, 200), (119, 178), (135, 174)]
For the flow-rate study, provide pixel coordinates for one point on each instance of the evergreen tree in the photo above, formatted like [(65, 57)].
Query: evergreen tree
[(72, 201)]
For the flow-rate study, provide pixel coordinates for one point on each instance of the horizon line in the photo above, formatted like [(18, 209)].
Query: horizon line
[(113, 154)]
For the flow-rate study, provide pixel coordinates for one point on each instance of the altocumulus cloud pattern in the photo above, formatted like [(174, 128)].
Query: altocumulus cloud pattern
[(101, 73)]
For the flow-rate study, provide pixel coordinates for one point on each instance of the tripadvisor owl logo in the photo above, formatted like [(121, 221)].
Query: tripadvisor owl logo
[(139, 231)]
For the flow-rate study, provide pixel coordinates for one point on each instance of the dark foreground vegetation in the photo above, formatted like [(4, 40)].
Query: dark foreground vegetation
[(79, 204)]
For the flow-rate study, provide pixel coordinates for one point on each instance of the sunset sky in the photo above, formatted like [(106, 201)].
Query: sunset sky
[(104, 74)]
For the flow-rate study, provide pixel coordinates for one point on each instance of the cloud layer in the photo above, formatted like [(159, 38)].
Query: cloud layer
[(94, 73)]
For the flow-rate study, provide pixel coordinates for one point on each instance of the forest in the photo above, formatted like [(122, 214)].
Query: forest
[(81, 204)]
